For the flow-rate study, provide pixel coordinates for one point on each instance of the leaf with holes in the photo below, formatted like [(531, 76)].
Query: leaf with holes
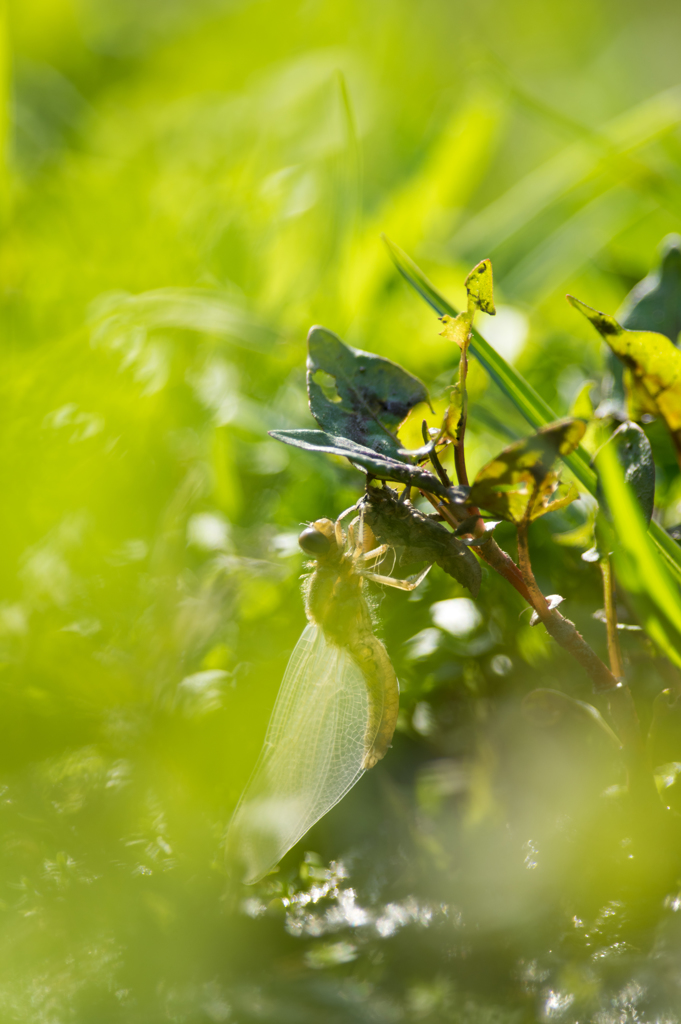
[(358, 395), (517, 485), (479, 289)]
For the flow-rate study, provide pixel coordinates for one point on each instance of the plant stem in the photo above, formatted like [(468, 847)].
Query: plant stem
[(561, 629), (614, 652), (538, 600), (459, 451), (439, 468)]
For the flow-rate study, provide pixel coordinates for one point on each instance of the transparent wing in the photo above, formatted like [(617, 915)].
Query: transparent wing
[(312, 755)]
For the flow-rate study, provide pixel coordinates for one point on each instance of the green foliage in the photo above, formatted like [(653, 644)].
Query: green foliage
[(531, 405), (186, 188)]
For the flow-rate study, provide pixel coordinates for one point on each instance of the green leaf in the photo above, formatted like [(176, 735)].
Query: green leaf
[(636, 458), (638, 566), (517, 484), (655, 364), (380, 466), (654, 304), (358, 395), (525, 398), (416, 538)]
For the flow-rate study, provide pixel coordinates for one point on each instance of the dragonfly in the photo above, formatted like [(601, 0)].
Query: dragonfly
[(337, 706)]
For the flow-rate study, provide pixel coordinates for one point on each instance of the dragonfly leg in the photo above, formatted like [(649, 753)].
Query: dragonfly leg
[(377, 552), (389, 581), (340, 536)]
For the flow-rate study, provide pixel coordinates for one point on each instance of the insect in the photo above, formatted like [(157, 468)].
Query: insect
[(336, 711)]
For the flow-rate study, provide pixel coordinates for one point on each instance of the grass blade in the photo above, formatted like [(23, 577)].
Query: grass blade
[(638, 565)]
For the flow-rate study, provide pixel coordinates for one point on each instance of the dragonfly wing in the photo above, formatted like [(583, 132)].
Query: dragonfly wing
[(313, 754)]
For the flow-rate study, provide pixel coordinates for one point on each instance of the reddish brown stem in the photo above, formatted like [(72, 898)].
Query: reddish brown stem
[(538, 601)]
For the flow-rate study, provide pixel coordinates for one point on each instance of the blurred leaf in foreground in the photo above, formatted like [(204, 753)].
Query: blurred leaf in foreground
[(517, 485)]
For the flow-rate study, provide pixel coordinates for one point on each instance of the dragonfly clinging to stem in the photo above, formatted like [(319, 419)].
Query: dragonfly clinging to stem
[(337, 707)]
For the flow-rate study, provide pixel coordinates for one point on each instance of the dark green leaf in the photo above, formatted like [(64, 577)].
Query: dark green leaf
[(380, 466), (654, 304), (358, 395), (416, 538), (636, 457)]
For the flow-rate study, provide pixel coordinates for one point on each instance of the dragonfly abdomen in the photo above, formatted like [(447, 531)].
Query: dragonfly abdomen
[(383, 691)]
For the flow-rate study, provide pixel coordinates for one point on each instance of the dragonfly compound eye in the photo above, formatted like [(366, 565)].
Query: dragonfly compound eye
[(313, 542)]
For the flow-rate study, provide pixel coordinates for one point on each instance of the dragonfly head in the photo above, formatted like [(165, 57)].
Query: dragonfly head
[(318, 539)]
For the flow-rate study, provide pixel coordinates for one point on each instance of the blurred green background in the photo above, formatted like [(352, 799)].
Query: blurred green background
[(187, 186)]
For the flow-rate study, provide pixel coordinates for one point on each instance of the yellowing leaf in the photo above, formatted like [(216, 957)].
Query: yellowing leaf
[(480, 296), (453, 415), (582, 406), (518, 483), (581, 537), (639, 401), (457, 328), (654, 364), (480, 289), (541, 507)]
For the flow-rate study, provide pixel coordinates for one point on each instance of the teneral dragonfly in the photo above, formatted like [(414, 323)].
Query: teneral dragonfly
[(337, 707)]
